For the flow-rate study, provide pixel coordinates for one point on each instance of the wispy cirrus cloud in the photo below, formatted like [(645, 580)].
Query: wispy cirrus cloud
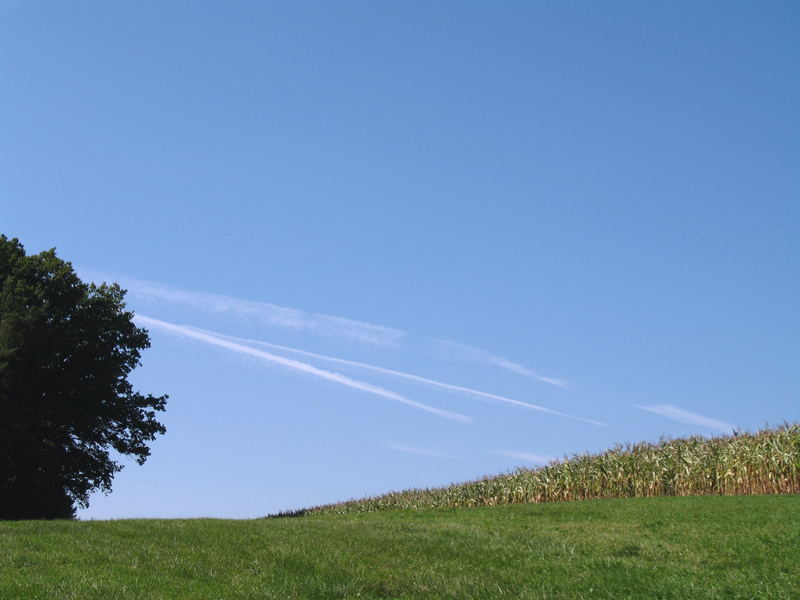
[(419, 451), (213, 340), (264, 313), (481, 356), (536, 459), (411, 377), (684, 416)]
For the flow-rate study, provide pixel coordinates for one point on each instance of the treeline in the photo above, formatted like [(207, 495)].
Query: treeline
[(765, 462)]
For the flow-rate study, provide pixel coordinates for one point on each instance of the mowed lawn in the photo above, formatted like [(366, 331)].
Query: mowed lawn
[(682, 548)]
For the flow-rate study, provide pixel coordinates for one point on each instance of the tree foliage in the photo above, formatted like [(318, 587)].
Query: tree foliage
[(66, 350)]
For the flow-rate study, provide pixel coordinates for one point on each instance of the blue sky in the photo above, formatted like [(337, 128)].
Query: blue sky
[(581, 217)]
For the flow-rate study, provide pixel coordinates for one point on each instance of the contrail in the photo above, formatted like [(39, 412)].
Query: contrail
[(482, 356), (409, 376), (684, 416), (265, 313), (273, 315), (295, 364)]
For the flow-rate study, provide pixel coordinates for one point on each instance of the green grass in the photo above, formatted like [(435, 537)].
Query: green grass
[(669, 547)]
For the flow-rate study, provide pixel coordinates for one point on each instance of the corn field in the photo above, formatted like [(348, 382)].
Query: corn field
[(765, 462)]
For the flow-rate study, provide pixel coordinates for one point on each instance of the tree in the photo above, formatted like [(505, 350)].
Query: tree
[(66, 350)]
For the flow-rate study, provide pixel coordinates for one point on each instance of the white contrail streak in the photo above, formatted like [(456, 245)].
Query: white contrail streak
[(684, 416), (409, 376), (273, 315), (267, 314), (294, 364), (481, 356)]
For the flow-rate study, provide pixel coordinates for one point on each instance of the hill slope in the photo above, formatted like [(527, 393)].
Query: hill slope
[(765, 462), (668, 548)]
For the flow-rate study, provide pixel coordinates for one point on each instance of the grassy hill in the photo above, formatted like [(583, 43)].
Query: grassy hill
[(671, 547), (665, 520)]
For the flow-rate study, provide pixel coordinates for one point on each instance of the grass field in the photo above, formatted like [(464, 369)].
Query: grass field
[(668, 547)]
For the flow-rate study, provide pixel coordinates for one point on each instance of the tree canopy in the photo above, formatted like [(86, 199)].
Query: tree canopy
[(66, 350)]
